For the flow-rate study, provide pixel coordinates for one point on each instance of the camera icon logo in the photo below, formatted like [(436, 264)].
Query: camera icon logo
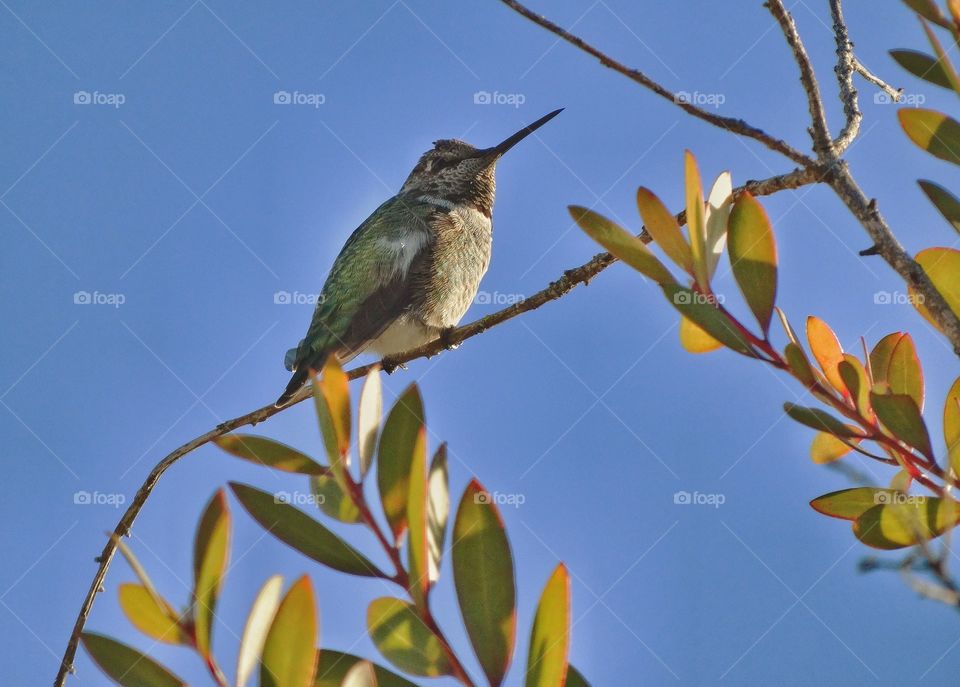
[(282, 98), (82, 298), (482, 497), (82, 498), (283, 497), (82, 98), (482, 98), (282, 298), (682, 498)]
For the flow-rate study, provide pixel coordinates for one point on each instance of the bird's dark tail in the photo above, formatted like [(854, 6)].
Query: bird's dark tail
[(298, 380)]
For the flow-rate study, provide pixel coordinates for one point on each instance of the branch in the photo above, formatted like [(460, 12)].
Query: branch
[(862, 70), (819, 132), (555, 290), (731, 124), (846, 66)]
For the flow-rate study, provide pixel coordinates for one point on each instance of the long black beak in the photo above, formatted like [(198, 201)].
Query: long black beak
[(499, 149)]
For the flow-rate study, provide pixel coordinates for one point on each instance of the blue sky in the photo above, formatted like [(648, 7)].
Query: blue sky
[(186, 207)]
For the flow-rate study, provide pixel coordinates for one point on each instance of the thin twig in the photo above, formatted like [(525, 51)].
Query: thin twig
[(557, 289), (731, 124), (846, 66), (862, 70), (819, 131)]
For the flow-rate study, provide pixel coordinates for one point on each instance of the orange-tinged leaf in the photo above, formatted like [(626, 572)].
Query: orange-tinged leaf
[(621, 244), (799, 364), (550, 637), (336, 389), (157, 621), (125, 665), (662, 226), (827, 448), (211, 551), (694, 339), (850, 504), (904, 374), (933, 131), (484, 579), (753, 257), (696, 226), (944, 201), (922, 66), (289, 651), (942, 265), (827, 351), (854, 376)]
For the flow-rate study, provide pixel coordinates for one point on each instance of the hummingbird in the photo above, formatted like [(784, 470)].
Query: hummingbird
[(410, 271)]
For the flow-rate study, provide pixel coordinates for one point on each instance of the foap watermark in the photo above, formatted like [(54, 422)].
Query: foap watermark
[(499, 498), (697, 298), (696, 498), (884, 98), (497, 298), (498, 98), (314, 100), (296, 298), (887, 498), (299, 498), (97, 98), (699, 99), (98, 498), (897, 298), (98, 298)]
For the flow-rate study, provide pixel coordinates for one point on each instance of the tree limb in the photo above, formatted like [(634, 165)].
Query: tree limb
[(553, 291), (846, 66)]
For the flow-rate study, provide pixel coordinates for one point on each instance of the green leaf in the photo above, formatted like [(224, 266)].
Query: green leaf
[(951, 425), (332, 500), (826, 448), (850, 504), (700, 310), (417, 543), (361, 675), (922, 65), (289, 653), (575, 679), (942, 265), (439, 509), (211, 550), (904, 374), (270, 453), (900, 415), (928, 10), (799, 364), (369, 414), (156, 620), (484, 578), (662, 226), (696, 226), (753, 257), (298, 530), (826, 349), (125, 665), (621, 244), (333, 667), (398, 443), (719, 204), (550, 637), (854, 376), (944, 201), (933, 131), (820, 421), (402, 637), (257, 626), (906, 520)]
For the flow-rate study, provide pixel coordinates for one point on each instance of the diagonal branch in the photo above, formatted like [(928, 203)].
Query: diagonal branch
[(553, 291), (731, 124), (819, 132)]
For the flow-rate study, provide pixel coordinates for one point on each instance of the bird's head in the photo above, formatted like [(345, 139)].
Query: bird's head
[(455, 172)]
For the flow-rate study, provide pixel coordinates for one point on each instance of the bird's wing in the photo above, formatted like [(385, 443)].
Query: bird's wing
[(369, 283)]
